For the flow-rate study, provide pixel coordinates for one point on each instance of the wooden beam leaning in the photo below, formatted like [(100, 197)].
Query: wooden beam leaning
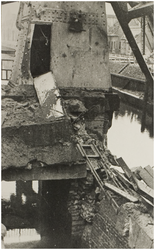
[(139, 186), (120, 192), (149, 170), (146, 177), (128, 172)]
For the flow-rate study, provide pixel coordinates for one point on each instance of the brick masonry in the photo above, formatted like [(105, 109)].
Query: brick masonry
[(104, 233), (95, 224)]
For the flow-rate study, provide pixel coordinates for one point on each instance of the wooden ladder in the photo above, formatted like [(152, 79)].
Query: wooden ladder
[(95, 154)]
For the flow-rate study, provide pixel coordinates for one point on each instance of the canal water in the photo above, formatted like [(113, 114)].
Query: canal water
[(126, 140)]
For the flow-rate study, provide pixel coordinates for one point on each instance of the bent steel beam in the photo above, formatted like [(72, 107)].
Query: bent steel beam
[(141, 9), (123, 20)]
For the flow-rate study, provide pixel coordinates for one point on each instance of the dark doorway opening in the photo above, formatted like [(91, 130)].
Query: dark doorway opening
[(55, 217), (40, 50)]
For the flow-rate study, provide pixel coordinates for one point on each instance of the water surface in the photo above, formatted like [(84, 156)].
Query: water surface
[(126, 140)]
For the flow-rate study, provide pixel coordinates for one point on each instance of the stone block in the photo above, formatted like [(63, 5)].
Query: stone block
[(133, 233), (140, 230), (143, 240)]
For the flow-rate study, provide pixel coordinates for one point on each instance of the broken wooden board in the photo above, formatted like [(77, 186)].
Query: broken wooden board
[(124, 166), (145, 189), (48, 96), (135, 171), (150, 170), (120, 192), (147, 201), (146, 177), (139, 186), (124, 180), (127, 171)]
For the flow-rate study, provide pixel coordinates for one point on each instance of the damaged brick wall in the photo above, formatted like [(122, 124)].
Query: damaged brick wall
[(93, 221), (74, 206), (131, 227), (104, 233), (81, 205)]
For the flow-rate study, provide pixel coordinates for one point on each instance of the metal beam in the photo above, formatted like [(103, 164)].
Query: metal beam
[(142, 9), (133, 4), (122, 18), (143, 35)]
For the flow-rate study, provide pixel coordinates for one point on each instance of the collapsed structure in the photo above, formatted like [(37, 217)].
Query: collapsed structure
[(56, 112)]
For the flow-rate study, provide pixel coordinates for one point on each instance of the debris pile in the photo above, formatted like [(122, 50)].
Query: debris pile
[(122, 187), (113, 176), (88, 208)]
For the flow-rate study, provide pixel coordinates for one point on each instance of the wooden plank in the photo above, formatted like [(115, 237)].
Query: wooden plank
[(120, 192), (114, 205), (127, 171), (135, 171), (150, 170), (146, 177), (145, 189), (124, 166), (147, 201), (126, 182), (108, 195)]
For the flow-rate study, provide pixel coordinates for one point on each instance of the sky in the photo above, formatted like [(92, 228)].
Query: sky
[(109, 9)]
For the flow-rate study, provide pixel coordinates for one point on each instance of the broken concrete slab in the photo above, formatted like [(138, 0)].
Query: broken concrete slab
[(50, 143), (54, 172), (150, 170)]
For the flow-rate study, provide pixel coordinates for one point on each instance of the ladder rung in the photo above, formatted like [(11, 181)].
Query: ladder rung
[(92, 148)]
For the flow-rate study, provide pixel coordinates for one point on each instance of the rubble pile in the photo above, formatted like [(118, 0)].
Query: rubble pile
[(113, 175), (119, 188), (21, 108)]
